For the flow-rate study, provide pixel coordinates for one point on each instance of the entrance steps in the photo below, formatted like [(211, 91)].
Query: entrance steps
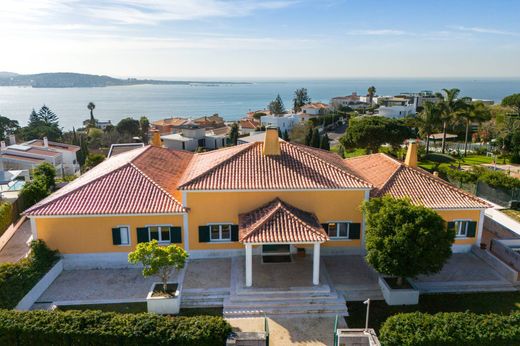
[(203, 298), (361, 293), (284, 304)]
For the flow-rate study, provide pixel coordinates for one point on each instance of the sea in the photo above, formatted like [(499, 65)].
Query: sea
[(231, 101)]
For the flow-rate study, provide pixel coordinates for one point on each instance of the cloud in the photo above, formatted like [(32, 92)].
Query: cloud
[(379, 32), (481, 30)]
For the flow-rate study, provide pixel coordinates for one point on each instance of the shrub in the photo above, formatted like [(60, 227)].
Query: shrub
[(451, 329), (109, 328), (441, 158), (6, 216), (499, 179), (16, 279)]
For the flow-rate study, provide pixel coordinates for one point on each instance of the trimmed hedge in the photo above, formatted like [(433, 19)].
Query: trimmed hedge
[(451, 329), (6, 216), (109, 328), (17, 279)]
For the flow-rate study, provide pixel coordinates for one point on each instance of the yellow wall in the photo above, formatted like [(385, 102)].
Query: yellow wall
[(94, 234), (451, 215), (215, 207)]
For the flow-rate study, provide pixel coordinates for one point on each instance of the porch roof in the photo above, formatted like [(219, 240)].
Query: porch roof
[(279, 222)]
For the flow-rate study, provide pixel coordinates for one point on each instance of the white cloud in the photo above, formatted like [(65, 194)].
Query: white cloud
[(481, 30), (379, 32)]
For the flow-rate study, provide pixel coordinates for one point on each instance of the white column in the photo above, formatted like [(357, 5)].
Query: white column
[(316, 264), (249, 265), (480, 227), (34, 231)]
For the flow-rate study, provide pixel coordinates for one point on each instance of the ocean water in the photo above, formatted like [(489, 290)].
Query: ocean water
[(231, 101)]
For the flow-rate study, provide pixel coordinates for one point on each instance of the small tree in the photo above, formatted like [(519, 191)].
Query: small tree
[(325, 142), (315, 139), (277, 106), (161, 261), (233, 134), (405, 240), (47, 174), (93, 160)]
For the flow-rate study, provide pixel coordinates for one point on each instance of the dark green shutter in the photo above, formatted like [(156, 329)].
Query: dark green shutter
[(354, 231), (176, 235), (472, 229), (203, 234), (451, 226), (234, 232), (325, 227), (142, 235), (116, 236)]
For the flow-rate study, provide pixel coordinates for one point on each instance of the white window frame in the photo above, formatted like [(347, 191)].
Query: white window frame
[(160, 241), (457, 229), (337, 237), (220, 224), (127, 234)]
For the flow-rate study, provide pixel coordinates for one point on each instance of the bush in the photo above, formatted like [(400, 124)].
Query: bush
[(440, 158), (16, 279), (6, 216), (451, 329), (109, 328), (499, 179)]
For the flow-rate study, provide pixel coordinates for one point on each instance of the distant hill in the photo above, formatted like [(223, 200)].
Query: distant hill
[(79, 80)]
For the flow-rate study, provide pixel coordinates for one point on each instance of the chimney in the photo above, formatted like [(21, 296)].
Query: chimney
[(156, 138), (45, 142), (271, 141), (435, 173), (2, 145), (12, 139), (411, 154)]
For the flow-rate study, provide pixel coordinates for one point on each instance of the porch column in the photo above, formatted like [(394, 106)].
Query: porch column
[(316, 264), (249, 265)]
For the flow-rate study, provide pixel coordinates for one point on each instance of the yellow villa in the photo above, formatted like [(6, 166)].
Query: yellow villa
[(266, 198)]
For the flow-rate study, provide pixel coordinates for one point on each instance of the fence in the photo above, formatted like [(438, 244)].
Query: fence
[(502, 197)]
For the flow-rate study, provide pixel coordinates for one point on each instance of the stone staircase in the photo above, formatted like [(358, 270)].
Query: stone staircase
[(303, 302), (361, 293)]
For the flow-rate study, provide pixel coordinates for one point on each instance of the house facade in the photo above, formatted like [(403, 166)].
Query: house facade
[(261, 198)]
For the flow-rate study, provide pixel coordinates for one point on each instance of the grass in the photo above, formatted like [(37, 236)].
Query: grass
[(355, 152), (470, 160), (134, 308), (514, 214), (495, 302)]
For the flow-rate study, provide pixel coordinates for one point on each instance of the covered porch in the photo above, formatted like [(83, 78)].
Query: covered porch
[(275, 230)]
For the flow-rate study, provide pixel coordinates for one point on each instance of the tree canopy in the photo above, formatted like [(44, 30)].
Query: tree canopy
[(41, 186), (512, 101), (44, 123), (405, 240), (161, 261), (129, 126), (301, 97), (370, 132), (7, 127), (276, 106)]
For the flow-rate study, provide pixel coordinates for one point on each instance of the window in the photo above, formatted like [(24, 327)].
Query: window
[(220, 232), (121, 235), (160, 233), (338, 229), (461, 228)]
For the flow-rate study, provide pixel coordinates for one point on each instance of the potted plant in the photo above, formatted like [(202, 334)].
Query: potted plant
[(403, 241), (161, 261)]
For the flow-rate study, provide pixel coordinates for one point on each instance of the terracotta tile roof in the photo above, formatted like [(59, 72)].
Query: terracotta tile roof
[(392, 177), (315, 105), (245, 167), (247, 124), (54, 145), (278, 222), (120, 185)]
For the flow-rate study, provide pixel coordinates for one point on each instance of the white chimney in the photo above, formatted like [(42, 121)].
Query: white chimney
[(12, 139), (2, 145), (45, 142)]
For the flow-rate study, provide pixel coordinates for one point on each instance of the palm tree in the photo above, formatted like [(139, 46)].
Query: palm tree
[(371, 93), (473, 113), (429, 119), (449, 105), (91, 107)]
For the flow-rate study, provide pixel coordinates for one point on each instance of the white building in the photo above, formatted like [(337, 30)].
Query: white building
[(28, 155), (396, 107), (422, 97), (283, 121), (353, 101), (193, 136)]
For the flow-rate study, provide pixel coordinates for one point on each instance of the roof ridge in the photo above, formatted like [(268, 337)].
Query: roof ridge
[(330, 164), (206, 172), (44, 201), (288, 207), (264, 218), (154, 182)]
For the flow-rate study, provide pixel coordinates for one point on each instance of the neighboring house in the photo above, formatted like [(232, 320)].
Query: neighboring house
[(192, 137), (251, 114), (101, 124), (396, 107), (312, 110), (422, 97), (253, 137), (238, 201), (282, 121), (28, 155), (167, 126), (353, 101), (116, 149), (248, 126), (175, 125)]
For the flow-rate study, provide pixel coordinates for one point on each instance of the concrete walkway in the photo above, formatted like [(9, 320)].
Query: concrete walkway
[(16, 242)]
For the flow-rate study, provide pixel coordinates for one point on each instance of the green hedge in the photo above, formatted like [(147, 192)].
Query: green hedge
[(17, 279), (451, 329), (109, 328), (6, 216)]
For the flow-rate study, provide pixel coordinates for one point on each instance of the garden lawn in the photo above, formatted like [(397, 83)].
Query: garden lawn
[(514, 214), (355, 152), (496, 302)]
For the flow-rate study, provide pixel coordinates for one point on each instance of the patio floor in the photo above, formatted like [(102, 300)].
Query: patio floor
[(350, 271), (208, 273)]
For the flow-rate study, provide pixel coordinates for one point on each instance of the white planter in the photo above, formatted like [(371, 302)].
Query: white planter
[(163, 305), (398, 296)]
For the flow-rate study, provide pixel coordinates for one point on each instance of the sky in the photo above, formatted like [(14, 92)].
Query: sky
[(244, 39)]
